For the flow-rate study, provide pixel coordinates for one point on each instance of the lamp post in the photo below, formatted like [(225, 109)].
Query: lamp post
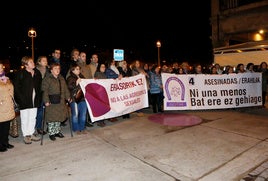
[(32, 35), (158, 45)]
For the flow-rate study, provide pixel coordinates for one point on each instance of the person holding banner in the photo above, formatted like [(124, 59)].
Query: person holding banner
[(156, 89), (112, 72), (100, 74), (125, 71), (78, 108), (86, 71), (138, 69), (240, 68)]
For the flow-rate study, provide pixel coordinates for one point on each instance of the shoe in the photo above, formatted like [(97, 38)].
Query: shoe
[(52, 137), (41, 132), (63, 123), (35, 138), (89, 124), (78, 132), (3, 149), (27, 140), (84, 131), (8, 146), (101, 124), (60, 135), (113, 120)]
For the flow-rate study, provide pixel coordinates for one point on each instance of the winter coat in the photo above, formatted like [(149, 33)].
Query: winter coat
[(24, 85), (110, 74), (71, 84), (52, 85), (155, 83), (125, 73), (6, 104), (85, 70), (264, 79)]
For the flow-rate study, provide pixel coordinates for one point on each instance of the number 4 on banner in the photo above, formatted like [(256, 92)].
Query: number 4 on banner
[(191, 80)]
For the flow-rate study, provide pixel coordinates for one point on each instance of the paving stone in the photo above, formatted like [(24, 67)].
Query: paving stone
[(265, 164), (257, 171), (260, 179), (264, 174)]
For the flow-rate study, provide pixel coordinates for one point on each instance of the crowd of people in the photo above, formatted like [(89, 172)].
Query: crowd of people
[(46, 90)]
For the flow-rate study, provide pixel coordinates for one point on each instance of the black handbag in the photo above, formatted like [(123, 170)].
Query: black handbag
[(54, 98)]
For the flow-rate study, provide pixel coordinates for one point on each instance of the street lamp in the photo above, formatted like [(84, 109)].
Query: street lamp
[(158, 45), (32, 34)]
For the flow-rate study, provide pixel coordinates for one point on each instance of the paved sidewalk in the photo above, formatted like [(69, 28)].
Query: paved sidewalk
[(258, 174), (228, 145)]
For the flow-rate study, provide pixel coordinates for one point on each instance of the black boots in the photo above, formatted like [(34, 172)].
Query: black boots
[(5, 147)]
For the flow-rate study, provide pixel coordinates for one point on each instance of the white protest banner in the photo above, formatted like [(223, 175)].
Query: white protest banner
[(206, 91), (107, 98)]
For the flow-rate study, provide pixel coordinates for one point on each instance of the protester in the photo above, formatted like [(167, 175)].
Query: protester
[(100, 74), (263, 69), (156, 89), (125, 71), (27, 86), (86, 71), (6, 109), (79, 107), (55, 95), (112, 72), (42, 66)]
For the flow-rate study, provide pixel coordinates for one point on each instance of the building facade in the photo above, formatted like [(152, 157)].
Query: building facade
[(238, 21)]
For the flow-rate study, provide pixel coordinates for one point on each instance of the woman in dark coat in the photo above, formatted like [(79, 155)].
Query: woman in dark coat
[(78, 107), (55, 95), (263, 68)]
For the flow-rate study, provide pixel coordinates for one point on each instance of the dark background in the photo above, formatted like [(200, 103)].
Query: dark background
[(183, 29)]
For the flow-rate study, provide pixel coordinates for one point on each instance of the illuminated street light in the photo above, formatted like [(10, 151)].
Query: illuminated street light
[(32, 34), (158, 45)]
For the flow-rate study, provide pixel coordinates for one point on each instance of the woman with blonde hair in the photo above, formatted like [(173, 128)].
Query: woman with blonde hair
[(27, 88)]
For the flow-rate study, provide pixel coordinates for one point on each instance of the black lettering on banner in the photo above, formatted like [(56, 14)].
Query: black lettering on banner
[(191, 80)]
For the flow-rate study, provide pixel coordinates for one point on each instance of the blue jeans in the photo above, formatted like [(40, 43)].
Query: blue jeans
[(79, 115), (39, 117)]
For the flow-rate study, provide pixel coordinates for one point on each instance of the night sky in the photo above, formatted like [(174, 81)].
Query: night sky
[(183, 29)]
